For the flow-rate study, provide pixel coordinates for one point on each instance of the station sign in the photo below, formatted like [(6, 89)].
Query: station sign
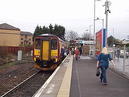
[(101, 40)]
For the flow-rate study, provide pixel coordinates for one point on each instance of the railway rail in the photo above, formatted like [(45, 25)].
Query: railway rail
[(29, 86)]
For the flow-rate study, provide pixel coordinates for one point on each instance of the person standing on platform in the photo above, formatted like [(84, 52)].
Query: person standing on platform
[(118, 53), (72, 51), (80, 50), (77, 53), (103, 63), (62, 53)]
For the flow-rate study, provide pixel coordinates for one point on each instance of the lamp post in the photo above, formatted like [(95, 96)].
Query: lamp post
[(102, 22), (94, 19), (90, 28), (95, 14), (107, 10)]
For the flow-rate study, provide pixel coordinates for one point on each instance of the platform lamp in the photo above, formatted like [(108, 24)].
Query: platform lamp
[(107, 10), (102, 22), (94, 21)]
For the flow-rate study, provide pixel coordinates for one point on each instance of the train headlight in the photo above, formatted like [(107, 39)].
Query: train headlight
[(34, 59), (56, 60)]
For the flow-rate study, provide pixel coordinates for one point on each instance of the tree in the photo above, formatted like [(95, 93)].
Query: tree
[(71, 35), (57, 30), (37, 31), (50, 29), (61, 32), (110, 41), (87, 36)]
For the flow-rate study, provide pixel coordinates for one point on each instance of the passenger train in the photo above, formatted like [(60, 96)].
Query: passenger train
[(47, 51)]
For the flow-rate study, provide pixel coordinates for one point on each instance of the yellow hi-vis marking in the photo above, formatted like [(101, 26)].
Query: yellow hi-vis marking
[(45, 51)]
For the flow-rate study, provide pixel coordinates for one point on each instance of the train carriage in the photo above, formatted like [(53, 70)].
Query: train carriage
[(47, 51)]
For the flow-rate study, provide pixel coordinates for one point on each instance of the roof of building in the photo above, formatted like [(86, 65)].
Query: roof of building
[(8, 27), (26, 33), (125, 41)]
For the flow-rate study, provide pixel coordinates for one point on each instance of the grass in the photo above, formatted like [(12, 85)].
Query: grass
[(7, 65)]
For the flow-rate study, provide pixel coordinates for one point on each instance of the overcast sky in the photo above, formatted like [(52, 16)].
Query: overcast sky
[(76, 15)]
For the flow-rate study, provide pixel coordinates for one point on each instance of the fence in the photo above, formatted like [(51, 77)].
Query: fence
[(5, 50), (10, 54), (121, 59)]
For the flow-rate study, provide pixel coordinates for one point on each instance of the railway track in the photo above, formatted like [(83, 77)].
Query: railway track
[(28, 87)]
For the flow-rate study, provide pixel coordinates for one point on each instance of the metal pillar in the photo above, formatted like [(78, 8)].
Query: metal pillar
[(107, 4), (94, 23), (124, 58)]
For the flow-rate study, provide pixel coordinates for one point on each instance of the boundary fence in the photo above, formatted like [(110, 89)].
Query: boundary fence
[(5, 50)]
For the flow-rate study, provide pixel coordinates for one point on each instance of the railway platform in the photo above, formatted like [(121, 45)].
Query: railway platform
[(77, 79)]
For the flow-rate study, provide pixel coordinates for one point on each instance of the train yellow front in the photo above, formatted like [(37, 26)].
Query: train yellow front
[(47, 51)]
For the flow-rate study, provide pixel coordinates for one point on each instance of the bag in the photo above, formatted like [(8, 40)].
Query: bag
[(98, 72), (65, 54)]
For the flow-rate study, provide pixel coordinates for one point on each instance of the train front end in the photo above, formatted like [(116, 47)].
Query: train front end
[(46, 52)]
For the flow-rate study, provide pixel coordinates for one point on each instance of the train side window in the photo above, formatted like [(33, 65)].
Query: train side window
[(54, 44), (37, 43)]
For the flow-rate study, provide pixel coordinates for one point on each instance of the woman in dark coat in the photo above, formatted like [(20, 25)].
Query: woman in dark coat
[(103, 64)]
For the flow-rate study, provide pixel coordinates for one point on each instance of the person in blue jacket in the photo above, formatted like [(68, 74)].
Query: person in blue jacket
[(103, 63)]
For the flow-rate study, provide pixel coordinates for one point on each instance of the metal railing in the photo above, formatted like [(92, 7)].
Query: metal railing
[(121, 59)]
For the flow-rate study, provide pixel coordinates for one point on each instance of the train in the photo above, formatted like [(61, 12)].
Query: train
[(47, 52)]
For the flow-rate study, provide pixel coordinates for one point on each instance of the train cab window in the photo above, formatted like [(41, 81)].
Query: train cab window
[(37, 43), (54, 44)]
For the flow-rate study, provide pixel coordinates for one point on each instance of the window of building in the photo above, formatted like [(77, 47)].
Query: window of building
[(25, 36), (21, 38)]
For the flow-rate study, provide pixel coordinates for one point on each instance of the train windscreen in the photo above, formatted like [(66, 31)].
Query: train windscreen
[(37, 44), (53, 44)]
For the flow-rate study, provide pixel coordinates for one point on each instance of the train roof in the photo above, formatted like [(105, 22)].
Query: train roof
[(47, 35), (50, 35)]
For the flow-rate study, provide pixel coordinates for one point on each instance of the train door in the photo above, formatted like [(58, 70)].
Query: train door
[(45, 50)]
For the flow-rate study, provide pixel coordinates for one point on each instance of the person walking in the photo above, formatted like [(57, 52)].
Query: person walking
[(103, 63), (77, 53), (80, 50)]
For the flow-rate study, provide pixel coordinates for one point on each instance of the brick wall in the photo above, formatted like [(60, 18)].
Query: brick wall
[(9, 37)]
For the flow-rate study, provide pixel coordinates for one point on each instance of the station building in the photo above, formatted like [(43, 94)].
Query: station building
[(88, 46), (12, 36)]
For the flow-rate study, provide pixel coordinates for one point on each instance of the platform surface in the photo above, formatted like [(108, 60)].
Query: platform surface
[(78, 79), (84, 82)]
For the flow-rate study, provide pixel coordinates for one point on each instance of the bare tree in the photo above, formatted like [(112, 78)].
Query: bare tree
[(71, 35), (87, 36)]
